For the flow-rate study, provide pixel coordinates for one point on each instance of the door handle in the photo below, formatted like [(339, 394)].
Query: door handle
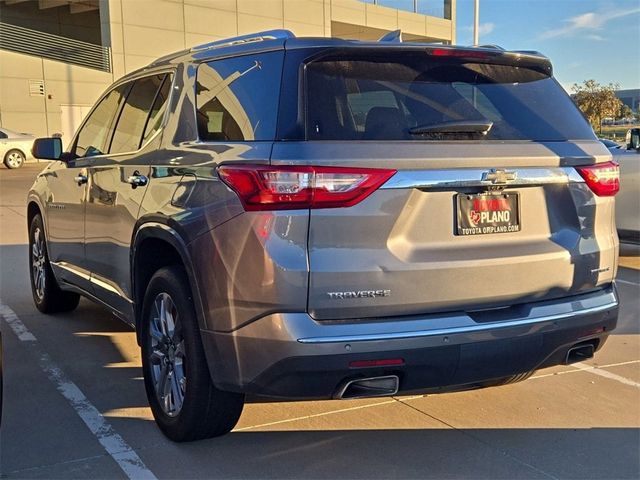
[(80, 179), (137, 180)]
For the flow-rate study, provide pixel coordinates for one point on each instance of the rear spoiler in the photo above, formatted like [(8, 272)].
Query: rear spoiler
[(489, 55)]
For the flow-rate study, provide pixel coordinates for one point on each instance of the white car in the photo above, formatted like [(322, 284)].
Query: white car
[(15, 148)]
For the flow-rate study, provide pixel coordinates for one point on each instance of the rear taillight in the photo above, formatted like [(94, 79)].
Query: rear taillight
[(275, 187), (602, 178)]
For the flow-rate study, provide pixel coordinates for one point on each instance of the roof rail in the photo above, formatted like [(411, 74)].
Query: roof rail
[(492, 46), (252, 37), (392, 37)]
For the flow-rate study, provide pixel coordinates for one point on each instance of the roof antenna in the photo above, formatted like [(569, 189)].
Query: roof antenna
[(392, 37)]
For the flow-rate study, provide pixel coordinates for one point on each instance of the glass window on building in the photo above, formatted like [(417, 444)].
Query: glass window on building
[(433, 8)]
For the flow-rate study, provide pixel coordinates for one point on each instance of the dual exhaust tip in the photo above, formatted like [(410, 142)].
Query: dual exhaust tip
[(387, 385)]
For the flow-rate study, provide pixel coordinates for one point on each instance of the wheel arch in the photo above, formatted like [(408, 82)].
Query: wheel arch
[(11, 149), (33, 209), (156, 245)]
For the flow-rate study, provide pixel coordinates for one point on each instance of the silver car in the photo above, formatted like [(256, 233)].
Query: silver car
[(314, 218), (15, 148), (628, 200)]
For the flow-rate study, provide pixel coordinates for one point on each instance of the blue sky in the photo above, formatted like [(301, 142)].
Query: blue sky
[(584, 39)]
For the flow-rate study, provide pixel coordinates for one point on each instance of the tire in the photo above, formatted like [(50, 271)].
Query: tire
[(47, 295), (189, 407), (14, 158)]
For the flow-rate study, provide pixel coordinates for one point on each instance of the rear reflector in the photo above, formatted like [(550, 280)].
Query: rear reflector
[(284, 187), (602, 178), (376, 363)]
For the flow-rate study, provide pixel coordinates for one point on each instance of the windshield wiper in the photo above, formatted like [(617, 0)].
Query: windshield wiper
[(454, 127)]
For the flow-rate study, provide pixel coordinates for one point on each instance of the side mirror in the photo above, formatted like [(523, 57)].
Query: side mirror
[(47, 148), (633, 139)]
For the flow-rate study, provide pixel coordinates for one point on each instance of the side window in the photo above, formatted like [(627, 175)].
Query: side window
[(237, 98), (93, 138), (131, 123), (3, 135), (154, 122)]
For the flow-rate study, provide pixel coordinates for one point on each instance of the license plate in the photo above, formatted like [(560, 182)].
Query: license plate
[(488, 213)]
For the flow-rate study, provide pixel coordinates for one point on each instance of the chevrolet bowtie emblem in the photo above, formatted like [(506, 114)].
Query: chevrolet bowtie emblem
[(498, 176)]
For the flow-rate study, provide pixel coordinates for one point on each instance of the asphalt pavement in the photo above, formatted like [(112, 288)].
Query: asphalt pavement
[(75, 407)]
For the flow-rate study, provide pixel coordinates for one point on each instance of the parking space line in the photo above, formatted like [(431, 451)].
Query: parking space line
[(16, 325), (578, 370), (323, 414), (126, 458), (627, 282), (605, 373)]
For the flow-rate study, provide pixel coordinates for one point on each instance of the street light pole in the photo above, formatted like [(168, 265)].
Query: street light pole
[(476, 22)]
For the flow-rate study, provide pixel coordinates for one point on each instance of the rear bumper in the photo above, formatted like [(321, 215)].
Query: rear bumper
[(290, 355)]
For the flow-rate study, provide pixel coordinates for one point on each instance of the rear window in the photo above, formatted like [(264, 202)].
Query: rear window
[(414, 97)]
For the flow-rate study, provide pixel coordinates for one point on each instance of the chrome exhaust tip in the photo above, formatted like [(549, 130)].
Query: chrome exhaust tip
[(579, 353), (368, 387)]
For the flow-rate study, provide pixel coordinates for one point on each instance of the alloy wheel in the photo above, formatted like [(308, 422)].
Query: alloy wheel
[(14, 159), (167, 355), (38, 263)]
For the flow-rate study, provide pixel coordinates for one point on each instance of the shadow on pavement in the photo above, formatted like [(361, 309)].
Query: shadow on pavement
[(393, 453)]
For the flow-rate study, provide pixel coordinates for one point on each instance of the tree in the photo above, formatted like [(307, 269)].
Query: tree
[(596, 101)]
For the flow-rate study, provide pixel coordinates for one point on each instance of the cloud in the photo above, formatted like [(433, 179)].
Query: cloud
[(484, 28), (587, 23)]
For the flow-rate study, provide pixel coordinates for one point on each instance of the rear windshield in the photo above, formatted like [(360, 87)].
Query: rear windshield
[(414, 97)]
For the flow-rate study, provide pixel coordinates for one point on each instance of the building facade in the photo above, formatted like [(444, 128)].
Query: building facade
[(631, 98), (58, 56)]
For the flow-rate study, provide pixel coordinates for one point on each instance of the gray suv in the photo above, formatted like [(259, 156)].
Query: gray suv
[(313, 218)]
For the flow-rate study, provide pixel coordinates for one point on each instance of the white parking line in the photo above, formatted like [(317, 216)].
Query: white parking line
[(627, 282), (605, 373), (330, 412), (16, 325), (126, 458), (578, 371)]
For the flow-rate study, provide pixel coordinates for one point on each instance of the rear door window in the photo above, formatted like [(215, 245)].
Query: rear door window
[(237, 98), (414, 97), (128, 133)]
